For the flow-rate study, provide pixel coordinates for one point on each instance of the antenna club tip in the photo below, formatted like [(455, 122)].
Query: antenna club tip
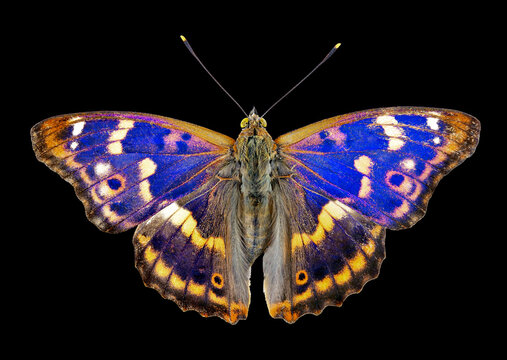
[(337, 45), (183, 38)]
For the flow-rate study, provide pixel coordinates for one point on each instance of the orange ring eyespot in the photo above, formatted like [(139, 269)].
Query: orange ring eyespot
[(217, 280), (301, 277)]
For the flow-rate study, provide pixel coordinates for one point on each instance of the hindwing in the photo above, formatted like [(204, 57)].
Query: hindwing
[(320, 252), (188, 252)]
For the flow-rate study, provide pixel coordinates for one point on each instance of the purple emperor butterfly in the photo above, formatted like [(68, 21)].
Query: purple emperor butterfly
[(316, 202)]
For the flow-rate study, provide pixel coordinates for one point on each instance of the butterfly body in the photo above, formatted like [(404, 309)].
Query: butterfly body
[(255, 151), (315, 203)]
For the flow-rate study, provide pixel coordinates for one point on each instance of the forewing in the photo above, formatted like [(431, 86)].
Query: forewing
[(320, 252), (384, 163), (127, 166), (188, 252)]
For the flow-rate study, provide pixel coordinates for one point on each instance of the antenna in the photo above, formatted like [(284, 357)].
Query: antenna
[(204, 67), (303, 79)]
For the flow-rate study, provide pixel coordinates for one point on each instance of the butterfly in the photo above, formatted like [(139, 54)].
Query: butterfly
[(315, 202)]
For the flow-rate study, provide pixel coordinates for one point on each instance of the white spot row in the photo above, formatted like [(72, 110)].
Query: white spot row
[(77, 128), (408, 164), (394, 132), (432, 123), (102, 169)]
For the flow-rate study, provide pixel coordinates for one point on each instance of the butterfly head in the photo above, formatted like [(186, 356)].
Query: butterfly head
[(253, 120)]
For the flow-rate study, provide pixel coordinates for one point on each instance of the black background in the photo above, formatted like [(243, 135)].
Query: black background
[(72, 284)]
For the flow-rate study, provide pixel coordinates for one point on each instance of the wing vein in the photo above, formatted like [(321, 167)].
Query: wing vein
[(158, 197), (345, 191)]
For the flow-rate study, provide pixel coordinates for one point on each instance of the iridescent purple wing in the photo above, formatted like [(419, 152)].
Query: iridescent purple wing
[(320, 252), (191, 253), (342, 181), (124, 166), (384, 163)]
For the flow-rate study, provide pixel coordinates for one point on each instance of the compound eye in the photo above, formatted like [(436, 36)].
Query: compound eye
[(244, 123), (263, 122)]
